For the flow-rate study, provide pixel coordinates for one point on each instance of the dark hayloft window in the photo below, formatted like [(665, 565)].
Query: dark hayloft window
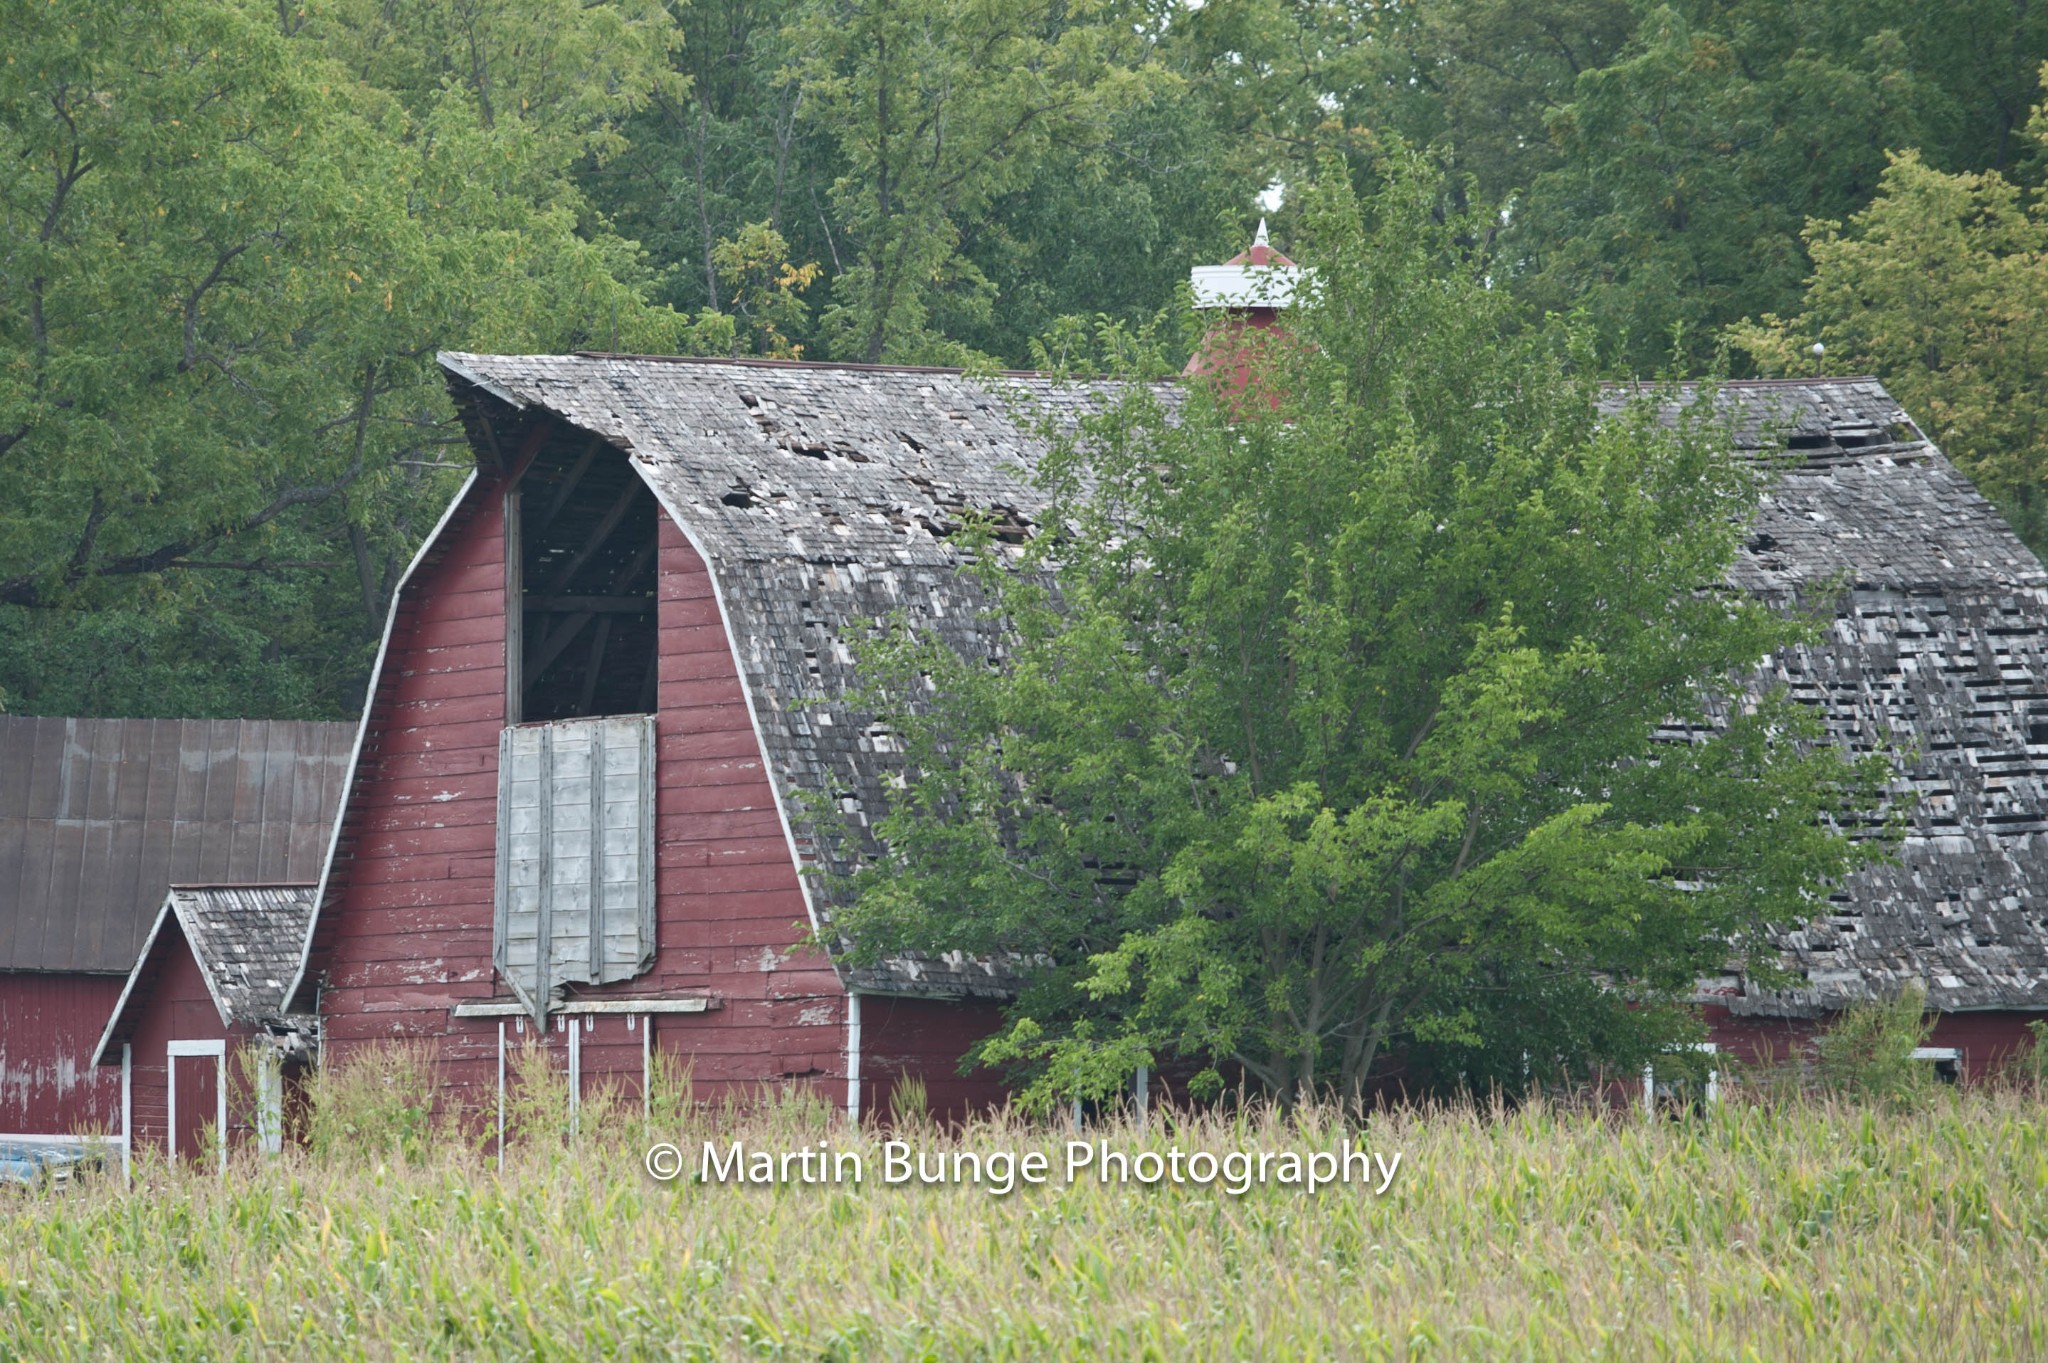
[(580, 551)]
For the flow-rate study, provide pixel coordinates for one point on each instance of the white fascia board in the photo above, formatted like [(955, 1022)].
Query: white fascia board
[(355, 754), (220, 1005), (512, 1008), (1245, 286), (134, 973), (739, 667)]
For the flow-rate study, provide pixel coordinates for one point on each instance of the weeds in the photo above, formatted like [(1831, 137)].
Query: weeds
[(1867, 1052), (379, 1104), (1814, 1229)]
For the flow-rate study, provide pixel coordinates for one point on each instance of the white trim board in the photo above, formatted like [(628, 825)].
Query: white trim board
[(512, 1008), (355, 753), (217, 1052), (99, 1052)]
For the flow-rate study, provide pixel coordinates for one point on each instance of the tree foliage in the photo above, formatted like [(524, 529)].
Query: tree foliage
[(937, 107), (1341, 736), (229, 265), (1940, 288), (849, 179)]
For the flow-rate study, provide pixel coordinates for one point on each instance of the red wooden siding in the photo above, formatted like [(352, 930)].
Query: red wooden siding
[(176, 1007), (49, 1025), (1986, 1039), (926, 1038), (406, 929)]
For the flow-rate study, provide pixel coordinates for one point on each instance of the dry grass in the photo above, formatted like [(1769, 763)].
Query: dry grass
[(1815, 1230)]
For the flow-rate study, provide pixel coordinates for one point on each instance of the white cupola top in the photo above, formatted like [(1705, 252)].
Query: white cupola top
[(1258, 278)]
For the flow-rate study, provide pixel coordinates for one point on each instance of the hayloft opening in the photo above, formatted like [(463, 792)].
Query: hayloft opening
[(581, 576)]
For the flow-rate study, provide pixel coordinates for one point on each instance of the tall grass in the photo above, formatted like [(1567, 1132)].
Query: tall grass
[(1816, 1230), (1868, 1050)]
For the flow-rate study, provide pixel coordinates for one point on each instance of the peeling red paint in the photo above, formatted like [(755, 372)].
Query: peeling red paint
[(49, 1025)]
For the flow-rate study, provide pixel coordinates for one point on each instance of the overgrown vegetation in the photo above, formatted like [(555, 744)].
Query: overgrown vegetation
[(1345, 747), (1866, 1053), (382, 1105), (1815, 1229)]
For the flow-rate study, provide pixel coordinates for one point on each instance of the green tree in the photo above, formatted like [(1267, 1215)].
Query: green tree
[(1679, 173), (1339, 734), (937, 107), (228, 266), (1940, 288), (568, 74), (729, 148)]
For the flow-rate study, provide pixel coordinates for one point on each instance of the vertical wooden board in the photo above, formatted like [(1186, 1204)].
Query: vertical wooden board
[(516, 926), (515, 612), (580, 787), (567, 797)]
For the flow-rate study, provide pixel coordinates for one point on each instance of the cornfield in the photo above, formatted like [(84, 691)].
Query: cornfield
[(1808, 1229)]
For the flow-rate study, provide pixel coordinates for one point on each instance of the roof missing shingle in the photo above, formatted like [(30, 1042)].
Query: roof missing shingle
[(246, 941), (825, 498)]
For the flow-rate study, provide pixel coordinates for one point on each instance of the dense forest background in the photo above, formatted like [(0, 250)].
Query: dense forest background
[(235, 233)]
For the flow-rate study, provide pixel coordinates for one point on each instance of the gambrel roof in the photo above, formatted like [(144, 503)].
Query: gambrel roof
[(822, 498), (1938, 648)]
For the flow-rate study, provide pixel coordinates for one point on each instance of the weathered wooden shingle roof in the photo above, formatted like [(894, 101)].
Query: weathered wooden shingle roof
[(99, 816), (822, 498), (246, 940), (1938, 649)]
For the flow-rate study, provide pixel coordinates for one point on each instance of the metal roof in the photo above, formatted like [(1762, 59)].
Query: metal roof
[(98, 817), (821, 498)]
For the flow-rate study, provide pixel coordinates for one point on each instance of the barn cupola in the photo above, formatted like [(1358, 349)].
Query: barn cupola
[(1244, 296)]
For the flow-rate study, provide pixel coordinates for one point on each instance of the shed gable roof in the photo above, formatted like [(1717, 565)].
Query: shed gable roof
[(821, 498)]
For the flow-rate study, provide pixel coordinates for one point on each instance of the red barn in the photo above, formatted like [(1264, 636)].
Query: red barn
[(611, 692), (204, 1047), (97, 818), (1935, 647), (609, 735)]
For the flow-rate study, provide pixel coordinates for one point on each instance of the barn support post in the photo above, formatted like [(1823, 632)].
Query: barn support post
[(1141, 1093), (575, 1076), (852, 1058), (646, 1065), (501, 1095), (220, 1107), (270, 1103), (127, 1115), (515, 613)]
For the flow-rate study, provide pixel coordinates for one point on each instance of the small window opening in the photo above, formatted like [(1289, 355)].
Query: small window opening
[(1683, 1085), (1947, 1061), (584, 636)]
